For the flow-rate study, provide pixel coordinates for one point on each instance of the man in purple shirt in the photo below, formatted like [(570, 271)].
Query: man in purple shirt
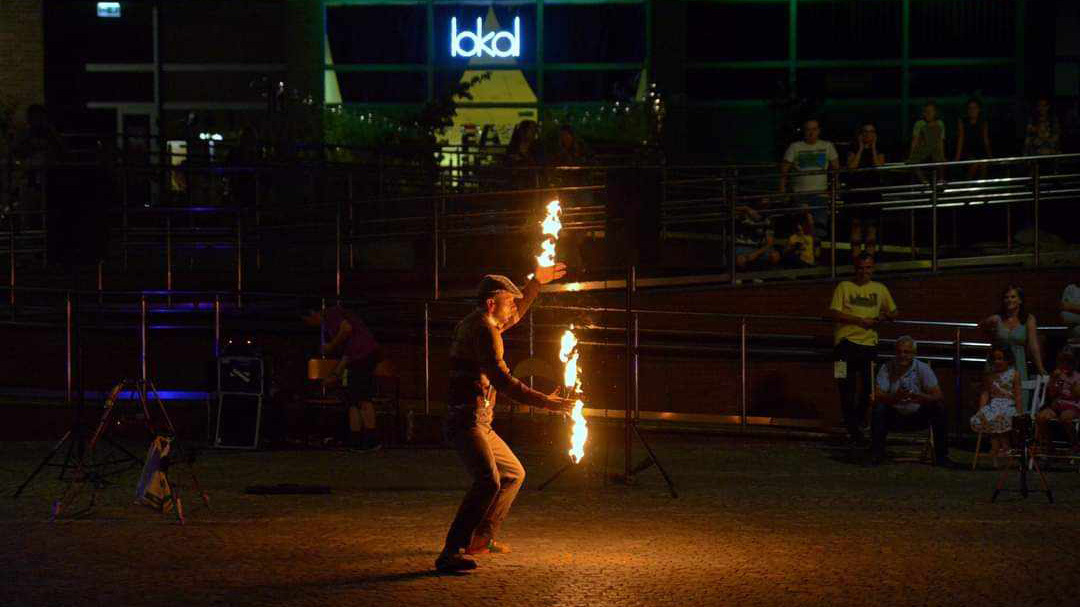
[(346, 337)]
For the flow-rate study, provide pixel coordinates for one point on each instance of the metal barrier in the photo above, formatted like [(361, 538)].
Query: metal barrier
[(338, 209), (643, 332)]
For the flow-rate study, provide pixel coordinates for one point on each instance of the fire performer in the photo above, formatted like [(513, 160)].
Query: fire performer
[(477, 370)]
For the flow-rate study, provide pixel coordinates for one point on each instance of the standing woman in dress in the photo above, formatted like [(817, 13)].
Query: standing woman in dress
[(1014, 326), (973, 139)]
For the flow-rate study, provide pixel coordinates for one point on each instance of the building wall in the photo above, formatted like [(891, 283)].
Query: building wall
[(22, 55)]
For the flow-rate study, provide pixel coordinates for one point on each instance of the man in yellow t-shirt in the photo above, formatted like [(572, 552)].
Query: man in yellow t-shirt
[(856, 309)]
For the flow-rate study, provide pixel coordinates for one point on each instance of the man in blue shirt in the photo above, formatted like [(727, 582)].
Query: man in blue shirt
[(907, 395)]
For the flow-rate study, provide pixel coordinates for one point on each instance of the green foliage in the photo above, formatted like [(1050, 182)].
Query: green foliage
[(413, 131), (620, 123)]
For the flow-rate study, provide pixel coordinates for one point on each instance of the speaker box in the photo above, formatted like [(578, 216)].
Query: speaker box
[(238, 421), (240, 374)]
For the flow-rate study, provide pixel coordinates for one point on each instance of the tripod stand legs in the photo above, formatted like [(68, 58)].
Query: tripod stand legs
[(1022, 462), (48, 462), (651, 461)]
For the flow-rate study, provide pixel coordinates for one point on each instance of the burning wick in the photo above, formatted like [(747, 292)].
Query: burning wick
[(551, 226), (568, 353)]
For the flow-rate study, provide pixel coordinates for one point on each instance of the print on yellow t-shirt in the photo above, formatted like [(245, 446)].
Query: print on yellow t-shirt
[(866, 301)]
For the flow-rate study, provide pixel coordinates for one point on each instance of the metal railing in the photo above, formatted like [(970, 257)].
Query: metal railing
[(335, 210), (629, 332)]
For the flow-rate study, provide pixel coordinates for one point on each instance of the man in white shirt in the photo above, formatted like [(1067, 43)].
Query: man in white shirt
[(907, 395), (811, 158)]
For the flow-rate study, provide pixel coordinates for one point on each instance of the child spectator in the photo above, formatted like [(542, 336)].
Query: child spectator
[(799, 249), (1063, 400), (927, 139), (753, 240), (999, 401)]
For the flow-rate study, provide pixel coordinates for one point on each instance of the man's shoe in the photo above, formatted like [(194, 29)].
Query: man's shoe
[(491, 547), (454, 561)]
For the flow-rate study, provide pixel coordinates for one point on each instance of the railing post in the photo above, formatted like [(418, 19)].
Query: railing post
[(143, 337), (124, 221), (744, 360), (217, 326), (933, 221), (11, 260), (349, 191), (427, 358), (239, 260), (168, 258), (258, 221), (732, 247), (435, 247), (1035, 204), (68, 349), (637, 370), (532, 346), (628, 416), (834, 183), (337, 250), (958, 382)]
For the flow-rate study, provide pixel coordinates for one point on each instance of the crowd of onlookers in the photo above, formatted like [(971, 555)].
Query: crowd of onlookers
[(766, 237), (904, 391)]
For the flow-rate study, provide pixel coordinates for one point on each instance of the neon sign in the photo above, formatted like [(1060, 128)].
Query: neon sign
[(501, 44), (108, 10)]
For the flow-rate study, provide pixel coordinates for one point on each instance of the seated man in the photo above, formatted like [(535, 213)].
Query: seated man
[(907, 395)]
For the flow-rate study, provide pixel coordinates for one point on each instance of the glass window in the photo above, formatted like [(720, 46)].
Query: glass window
[(706, 85), (963, 28), (849, 30), (717, 32), (113, 86), (594, 34), (613, 85), (365, 87), (377, 34), (732, 134), (963, 81), (129, 39), (227, 32), (849, 83)]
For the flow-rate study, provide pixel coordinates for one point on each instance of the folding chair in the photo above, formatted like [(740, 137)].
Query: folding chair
[(1070, 457), (1037, 387)]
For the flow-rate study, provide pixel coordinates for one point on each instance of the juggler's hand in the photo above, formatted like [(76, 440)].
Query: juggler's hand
[(546, 275)]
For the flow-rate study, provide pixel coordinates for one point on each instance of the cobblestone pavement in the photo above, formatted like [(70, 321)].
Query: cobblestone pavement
[(757, 523)]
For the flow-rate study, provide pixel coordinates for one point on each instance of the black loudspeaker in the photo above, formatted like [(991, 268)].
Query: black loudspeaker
[(242, 374), (239, 421), (633, 216), (240, 391)]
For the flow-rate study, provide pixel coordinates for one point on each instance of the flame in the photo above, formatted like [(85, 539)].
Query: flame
[(551, 225), (546, 259), (568, 353)]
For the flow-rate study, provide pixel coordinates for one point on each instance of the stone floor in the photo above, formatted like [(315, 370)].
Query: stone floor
[(756, 523)]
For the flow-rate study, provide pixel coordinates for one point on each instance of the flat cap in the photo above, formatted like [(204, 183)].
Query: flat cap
[(495, 283)]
